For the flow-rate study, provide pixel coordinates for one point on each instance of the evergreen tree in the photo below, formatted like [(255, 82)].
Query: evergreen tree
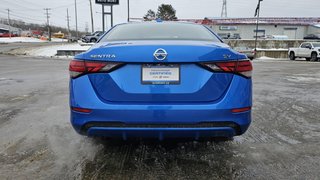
[(166, 12), (151, 15)]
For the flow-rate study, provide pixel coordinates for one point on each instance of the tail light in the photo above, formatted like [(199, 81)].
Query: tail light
[(243, 67), (80, 67)]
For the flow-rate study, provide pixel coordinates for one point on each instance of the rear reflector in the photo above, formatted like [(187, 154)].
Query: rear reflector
[(82, 110), (239, 110), (242, 67), (80, 67)]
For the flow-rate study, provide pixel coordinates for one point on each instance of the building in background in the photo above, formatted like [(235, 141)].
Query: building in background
[(4, 29), (269, 28)]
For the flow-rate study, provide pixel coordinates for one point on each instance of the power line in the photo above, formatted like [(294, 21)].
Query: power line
[(24, 18), (68, 5), (18, 4), (23, 15), (28, 2)]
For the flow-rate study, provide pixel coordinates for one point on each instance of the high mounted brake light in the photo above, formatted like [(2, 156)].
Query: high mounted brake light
[(80, 67), (243, 67)]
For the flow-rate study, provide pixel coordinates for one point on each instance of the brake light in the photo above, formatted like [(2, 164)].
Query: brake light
[(80, 67), (243, 67)]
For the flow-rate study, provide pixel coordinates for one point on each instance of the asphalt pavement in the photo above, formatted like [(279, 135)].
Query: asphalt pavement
[(38, 142)]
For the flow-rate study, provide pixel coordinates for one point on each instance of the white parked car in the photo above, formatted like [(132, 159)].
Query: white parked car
[(308, 50)]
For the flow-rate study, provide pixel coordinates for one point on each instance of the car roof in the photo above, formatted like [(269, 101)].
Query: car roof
[(162, 22)]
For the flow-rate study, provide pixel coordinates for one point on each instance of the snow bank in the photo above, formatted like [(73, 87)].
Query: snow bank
[(51, 51), (272, 49), (28, 39), (264, 58), (58, 40), (20, 39)]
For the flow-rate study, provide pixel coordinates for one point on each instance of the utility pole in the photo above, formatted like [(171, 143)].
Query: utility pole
[(103, 20), (257, 13), (9, 22), (224, 12), (76, 16), (68, 23), (111, 15), (48, 23), (128, 10), (92, 24), (87, 27)]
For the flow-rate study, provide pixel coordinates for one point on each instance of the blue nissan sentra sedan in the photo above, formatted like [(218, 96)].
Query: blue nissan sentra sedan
[(160, 80)]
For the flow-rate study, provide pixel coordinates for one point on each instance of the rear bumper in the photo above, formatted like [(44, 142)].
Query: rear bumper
[(161, 123), (206, 119), (162, 133)]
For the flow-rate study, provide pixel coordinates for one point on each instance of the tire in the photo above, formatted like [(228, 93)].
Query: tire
[(93, 40), (308, 59), (291, 56), (314, 56)]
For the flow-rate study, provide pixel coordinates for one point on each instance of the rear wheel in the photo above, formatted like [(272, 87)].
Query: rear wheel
[(93, 40), (314, 56), (308, 59), (292, 56)]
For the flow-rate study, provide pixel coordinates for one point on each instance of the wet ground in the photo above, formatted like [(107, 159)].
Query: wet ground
[(38, 142)]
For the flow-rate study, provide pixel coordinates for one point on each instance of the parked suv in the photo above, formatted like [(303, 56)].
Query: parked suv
[(92, 37), (308, 50)]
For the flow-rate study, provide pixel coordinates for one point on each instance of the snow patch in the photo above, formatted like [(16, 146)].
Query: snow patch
[(317, 25), (272, 49), (50, 51), (264, 58), (286, 139), (28, 39), (304, 78), (58, 40), (20, 39)]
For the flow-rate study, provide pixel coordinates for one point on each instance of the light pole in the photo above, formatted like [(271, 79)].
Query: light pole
[(257, 27), (76, 15), (92, 24), (128, 10)]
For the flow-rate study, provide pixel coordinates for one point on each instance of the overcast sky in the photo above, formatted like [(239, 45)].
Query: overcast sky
[(32, 10)]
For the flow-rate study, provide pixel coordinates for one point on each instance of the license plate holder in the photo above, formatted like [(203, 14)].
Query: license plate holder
[(160, 74)]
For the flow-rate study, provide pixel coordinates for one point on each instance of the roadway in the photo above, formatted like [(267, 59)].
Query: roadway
[(38, 142)]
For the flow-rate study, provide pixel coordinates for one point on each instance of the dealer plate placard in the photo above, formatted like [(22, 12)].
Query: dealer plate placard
[(160, 74)]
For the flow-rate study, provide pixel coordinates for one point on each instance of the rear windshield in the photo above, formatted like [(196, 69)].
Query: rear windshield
[(160, 31), (316, 44)]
